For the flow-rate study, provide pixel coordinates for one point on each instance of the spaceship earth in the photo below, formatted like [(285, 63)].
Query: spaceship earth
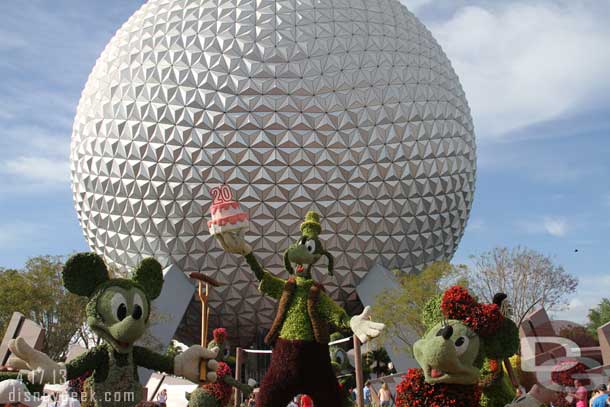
[(346, 107)]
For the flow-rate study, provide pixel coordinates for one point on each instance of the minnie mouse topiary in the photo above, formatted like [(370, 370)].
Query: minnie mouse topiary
[(452, 352)]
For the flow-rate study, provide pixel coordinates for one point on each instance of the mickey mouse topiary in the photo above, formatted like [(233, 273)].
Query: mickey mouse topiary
[(118, 312)]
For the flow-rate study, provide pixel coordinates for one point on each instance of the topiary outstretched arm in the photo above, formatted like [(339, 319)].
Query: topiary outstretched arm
[(269, 284), (152, 360), (244, 388), (94, 359), (255, 266)]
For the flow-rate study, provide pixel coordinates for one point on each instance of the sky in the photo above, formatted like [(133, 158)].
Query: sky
[(535, 72)]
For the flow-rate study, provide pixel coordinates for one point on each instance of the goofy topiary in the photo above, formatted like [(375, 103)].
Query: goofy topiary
[(299, 335), (118, 312), (452, 351)]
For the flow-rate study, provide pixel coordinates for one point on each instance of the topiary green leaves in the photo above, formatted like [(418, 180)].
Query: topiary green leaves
[(149, 275), (83, 273), (431, 313), (504, 343), (311, 227)]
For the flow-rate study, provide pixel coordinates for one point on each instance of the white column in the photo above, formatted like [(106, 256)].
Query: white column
[(177, 293)]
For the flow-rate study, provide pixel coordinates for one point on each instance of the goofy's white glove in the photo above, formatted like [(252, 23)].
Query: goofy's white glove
[(38, 367), (232, 242), (186, 364), (363, 327)]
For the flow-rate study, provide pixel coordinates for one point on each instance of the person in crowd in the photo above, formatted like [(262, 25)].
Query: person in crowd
[(599, 396), (580, 396), (385, 395), (162, 398), (367, 393)]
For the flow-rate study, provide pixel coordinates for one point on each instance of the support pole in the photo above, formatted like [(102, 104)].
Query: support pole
[(511, 374), (203, 371), (238, 355), (359, 376), (205, 315)]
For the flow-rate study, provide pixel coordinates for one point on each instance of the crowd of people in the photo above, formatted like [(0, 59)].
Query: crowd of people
[(385, 397), (581, 397)]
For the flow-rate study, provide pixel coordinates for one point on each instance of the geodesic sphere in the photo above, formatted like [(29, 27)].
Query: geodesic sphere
[(347, 107)]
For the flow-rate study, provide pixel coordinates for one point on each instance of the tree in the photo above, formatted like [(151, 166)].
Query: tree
[(378, 361), (525, 275), (598, 316), (400, 308), (39, 294), (85, 337), (12, 286)]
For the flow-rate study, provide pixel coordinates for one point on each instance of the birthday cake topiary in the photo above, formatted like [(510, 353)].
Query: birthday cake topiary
[(227, 215)]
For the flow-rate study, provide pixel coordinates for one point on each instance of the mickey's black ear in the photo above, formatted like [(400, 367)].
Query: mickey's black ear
[(83, 273), (149, 274), (498, 298)]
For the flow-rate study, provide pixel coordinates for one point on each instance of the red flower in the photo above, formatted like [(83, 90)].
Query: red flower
[(413, 391), (220, 390), (564, 372), (457, 303), (484, 319), (220, 335)]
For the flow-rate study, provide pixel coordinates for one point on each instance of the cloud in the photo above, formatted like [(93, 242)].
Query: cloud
[(576, 311), (525, 63), (415, 5), (33, 158), (39, 169), (553, 226), (49, 53), (14, 235), (556, 227), (547, 163), (591, 289), (9, 40), (476, 224)]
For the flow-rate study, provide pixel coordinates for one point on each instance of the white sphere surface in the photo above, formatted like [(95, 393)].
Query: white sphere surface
[(347, 107)]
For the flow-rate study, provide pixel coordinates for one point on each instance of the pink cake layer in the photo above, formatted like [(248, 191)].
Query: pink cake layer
[(225, 220), (224, 206)]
